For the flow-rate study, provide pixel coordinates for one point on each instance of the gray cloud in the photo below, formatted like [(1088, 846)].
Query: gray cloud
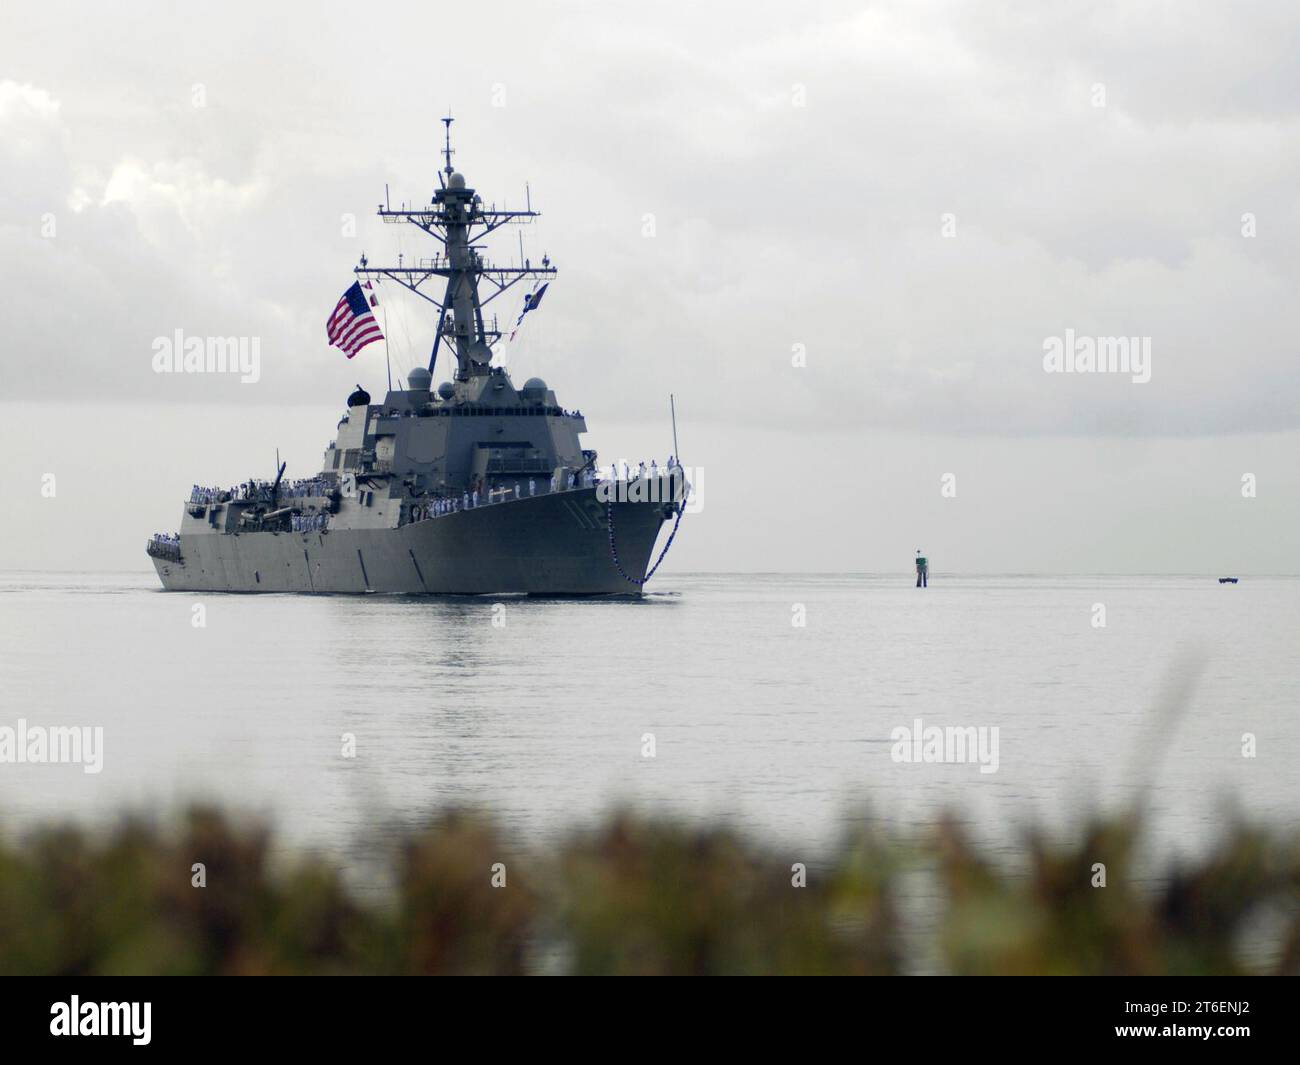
[(775, 224)]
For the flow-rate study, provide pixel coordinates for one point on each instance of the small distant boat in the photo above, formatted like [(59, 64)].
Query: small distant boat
[(1227, 580)]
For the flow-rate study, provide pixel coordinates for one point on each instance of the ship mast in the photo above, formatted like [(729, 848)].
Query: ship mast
[(457, 218)]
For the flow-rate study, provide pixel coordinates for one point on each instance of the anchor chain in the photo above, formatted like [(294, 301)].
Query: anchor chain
[(613, 551)]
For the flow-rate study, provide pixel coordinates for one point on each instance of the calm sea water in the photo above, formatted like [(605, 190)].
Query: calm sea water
[(783, 730)]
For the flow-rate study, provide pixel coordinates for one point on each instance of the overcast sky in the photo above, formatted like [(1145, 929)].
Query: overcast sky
[(918, 195)]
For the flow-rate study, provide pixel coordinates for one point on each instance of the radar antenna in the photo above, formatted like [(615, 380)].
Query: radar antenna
[(458, 219), (447, 150)]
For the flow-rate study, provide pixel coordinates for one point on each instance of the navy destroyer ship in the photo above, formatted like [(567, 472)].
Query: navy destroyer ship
[(475, 487)]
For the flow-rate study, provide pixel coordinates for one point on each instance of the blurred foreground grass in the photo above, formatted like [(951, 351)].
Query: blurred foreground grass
[(636, 896)]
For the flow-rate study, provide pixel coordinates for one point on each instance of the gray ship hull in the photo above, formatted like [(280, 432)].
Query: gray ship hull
[(553, 544)]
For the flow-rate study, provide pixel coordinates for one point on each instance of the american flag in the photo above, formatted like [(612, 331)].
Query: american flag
[(352, 325)]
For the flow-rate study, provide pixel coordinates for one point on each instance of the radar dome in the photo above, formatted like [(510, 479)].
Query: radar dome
[(446, 390), (457, 180), (419, 379), (534, 384)]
